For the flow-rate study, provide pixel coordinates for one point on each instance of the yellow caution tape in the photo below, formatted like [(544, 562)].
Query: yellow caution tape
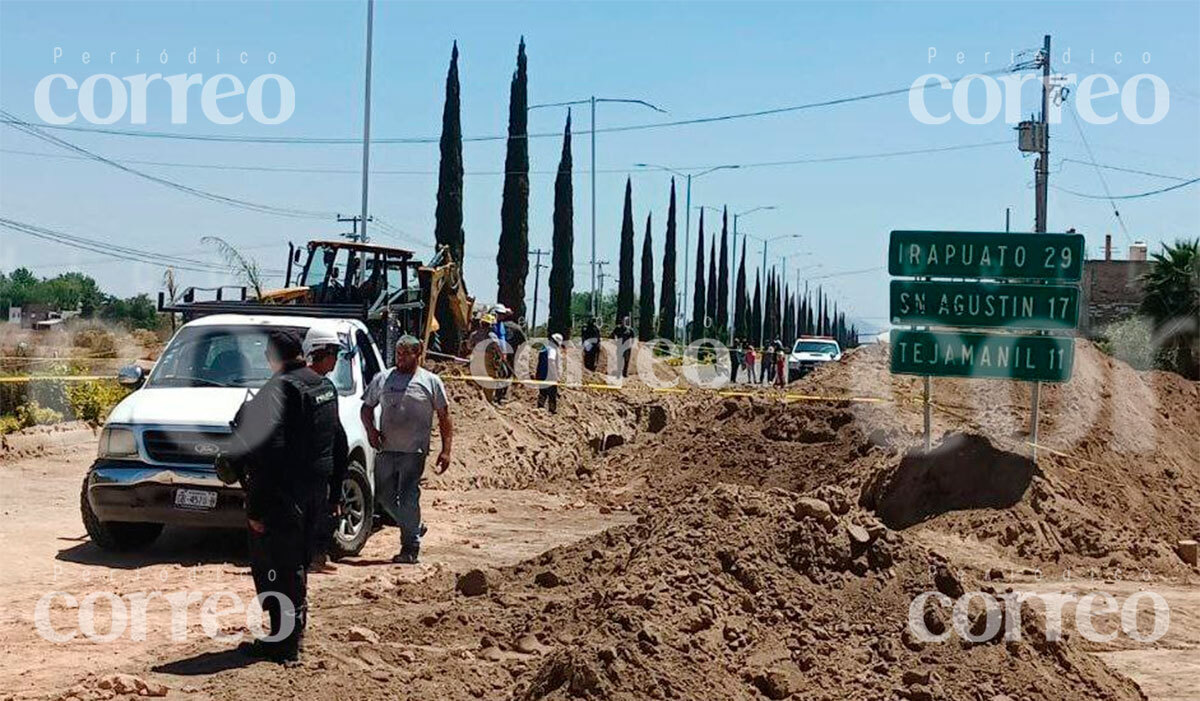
[(57, 378)]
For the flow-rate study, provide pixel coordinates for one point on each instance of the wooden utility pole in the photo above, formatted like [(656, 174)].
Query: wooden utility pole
[(537, 276)]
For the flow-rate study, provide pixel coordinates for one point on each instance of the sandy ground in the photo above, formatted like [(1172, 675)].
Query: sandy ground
[(46, 550)]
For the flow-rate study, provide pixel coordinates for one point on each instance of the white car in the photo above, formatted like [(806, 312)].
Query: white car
[(809, 352), (154, 464)]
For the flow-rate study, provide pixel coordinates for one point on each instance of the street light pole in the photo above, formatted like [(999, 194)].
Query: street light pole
[(591, 102)]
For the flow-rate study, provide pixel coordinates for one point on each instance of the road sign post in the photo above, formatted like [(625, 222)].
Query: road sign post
[(1001, 283)]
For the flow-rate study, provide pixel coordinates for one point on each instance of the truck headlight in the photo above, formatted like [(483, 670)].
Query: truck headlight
[(117, 444)]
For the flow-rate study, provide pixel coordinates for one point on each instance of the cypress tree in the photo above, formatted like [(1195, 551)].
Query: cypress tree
[(625, 281), (698, 297), (739, 303), (711, 304), (448, 217), (562, 258), (646, 289), (448, 213), (756, 319), (769, 309), (788, 318), (723, 279), (666, 302), (512, 258)]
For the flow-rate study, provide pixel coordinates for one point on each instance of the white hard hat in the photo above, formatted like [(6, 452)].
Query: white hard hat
[(557, 338), (318, 338), (501, 309)]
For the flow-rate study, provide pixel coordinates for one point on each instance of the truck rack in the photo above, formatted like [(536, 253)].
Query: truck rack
[(192, 308)]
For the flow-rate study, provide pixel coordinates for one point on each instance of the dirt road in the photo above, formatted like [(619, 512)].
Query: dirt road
[(46, 550)]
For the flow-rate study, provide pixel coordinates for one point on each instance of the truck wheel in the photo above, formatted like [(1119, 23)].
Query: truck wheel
[(115, 535), (353, 527)]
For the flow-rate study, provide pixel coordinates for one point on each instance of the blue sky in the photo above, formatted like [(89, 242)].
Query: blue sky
[(692, 59)]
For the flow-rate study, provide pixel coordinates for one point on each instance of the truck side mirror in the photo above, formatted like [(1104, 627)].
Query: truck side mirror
[(296, 256), (131, 376)]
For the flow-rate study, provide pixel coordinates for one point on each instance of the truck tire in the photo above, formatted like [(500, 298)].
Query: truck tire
[(354, 526), (115, 535)]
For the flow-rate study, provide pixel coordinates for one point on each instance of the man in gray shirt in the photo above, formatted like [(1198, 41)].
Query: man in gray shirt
[(409, 396)]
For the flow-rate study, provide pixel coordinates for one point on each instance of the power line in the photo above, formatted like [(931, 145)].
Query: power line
[(347, 171), (1137, 195), (9, 118), (1123, 169), (107, 248), (232, 201), (1100, 174)]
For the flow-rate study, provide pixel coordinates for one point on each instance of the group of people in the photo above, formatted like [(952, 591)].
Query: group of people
[(289, 451), (622, 333), (766, 366)]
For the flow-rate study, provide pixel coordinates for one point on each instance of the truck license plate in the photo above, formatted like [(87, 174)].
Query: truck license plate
[(195, 499)]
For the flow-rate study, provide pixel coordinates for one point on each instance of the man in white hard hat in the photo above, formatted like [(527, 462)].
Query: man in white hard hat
[(322, 347)]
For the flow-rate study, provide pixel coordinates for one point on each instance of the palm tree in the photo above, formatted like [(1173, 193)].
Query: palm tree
[(1172, 301)]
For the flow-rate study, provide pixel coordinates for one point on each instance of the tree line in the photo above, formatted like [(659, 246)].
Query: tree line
[(74, 292), (772, 312)]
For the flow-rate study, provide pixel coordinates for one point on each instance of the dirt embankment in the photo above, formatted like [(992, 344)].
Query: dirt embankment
[(778, 546), (732, 592)]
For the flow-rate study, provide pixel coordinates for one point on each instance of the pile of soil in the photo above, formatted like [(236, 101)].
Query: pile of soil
[(732, 592)]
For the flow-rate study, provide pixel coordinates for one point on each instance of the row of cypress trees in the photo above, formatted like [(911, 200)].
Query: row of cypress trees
[(775, 312)]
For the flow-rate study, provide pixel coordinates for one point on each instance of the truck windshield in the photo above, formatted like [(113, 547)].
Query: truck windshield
[(229, 356), (815, 347), (214, 356)]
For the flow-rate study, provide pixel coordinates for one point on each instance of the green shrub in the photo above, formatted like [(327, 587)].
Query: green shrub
[(9, 424), (91, 401), (34, 414), (1130, 340)]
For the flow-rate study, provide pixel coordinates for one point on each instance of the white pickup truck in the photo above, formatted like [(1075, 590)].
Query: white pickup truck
[(810, 351), (154, 465)]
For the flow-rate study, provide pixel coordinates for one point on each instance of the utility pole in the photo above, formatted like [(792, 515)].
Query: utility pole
[(537, 276), (1042, 186), (593, 266), (1042, 164), (354, 220), (601, 275), (367, 119)]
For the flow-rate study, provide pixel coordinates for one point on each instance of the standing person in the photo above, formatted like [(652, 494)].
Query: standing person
[(780, 366), (623, 334), (409, 396), (735, 360), (549, 369), (283, 452), (322, 348), (750, 358), (768, 365), (500, 330), (591, 344)]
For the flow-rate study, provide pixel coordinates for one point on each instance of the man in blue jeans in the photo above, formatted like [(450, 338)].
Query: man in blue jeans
[(409, 396)]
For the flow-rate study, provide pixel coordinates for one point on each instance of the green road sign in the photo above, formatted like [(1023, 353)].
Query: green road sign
[(950, 354), (986, 255), (984, 305)]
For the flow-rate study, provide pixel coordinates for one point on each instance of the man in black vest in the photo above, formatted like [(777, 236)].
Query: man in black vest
[(283, 443)]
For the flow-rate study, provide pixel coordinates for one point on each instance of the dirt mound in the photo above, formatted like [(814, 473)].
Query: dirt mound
[(1117, 480), (963, 472), (732, 593), (517, 445)]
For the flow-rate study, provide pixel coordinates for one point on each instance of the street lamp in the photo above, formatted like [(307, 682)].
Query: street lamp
[(687, 227), (592, 101), (764, 243)]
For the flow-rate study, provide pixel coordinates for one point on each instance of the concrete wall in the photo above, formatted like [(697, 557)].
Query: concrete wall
[(1112, 290)]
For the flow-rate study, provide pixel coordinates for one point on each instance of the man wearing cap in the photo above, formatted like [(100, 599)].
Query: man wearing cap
[(409, 396), (549, 370), (322, 348), (283, 442)]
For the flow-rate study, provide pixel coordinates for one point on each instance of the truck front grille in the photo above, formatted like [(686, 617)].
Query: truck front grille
[(184, 446)]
